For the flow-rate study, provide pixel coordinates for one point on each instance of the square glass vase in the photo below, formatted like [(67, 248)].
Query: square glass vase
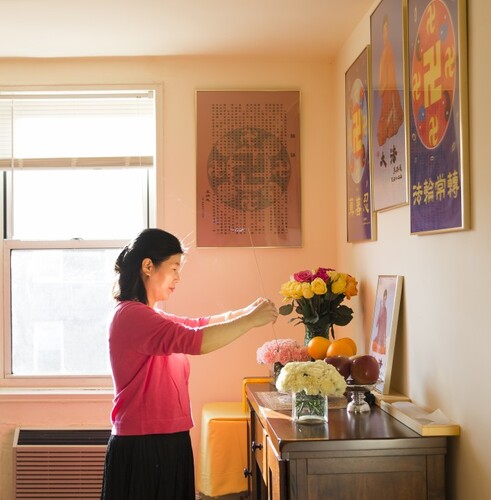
[(308, 409)]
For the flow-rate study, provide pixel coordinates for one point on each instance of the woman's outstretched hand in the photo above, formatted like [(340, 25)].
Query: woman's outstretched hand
[(216, 335), (262, 311)]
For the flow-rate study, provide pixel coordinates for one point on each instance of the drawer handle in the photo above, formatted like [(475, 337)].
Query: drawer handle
[(247, 472), (256, 446)]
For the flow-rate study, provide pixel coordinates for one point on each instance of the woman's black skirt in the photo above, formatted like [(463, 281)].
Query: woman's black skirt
[(150, 467)]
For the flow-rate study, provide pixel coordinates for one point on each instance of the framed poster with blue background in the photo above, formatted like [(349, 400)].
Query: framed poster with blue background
[(437, 59), (358, 176), (388, 116)]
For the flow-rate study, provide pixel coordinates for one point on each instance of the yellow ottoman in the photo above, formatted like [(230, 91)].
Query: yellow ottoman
[(223, 450)]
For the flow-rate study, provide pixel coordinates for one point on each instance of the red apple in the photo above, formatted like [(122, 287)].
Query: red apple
[(341, 363), (364, 369)]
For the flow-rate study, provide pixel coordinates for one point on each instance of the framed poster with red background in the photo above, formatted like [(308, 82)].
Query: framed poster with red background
[(248, 168)]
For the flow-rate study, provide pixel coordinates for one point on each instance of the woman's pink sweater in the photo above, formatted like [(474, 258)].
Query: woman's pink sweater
[(150, 370)]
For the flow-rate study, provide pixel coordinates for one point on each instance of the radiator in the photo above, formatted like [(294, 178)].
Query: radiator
[(59, 463)]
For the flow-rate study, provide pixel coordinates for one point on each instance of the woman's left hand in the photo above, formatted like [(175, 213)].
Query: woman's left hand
[(262, 311)]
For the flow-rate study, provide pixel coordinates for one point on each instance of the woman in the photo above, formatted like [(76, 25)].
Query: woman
[(149, 454)]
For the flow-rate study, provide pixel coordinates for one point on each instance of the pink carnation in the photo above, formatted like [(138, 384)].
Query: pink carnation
[(281, 351)]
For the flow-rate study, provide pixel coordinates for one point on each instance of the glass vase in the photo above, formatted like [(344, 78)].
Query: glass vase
[(308, 409), (317, 330)]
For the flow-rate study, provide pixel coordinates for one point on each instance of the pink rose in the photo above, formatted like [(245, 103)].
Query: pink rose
[(322, 272), (303, 276)]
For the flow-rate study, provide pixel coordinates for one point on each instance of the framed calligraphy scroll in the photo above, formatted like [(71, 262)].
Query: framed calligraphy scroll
[(358, 176), (388, 116), (248, 168), (438, 115)]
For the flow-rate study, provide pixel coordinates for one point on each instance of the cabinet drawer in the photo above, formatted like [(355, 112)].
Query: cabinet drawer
[(259, 448)]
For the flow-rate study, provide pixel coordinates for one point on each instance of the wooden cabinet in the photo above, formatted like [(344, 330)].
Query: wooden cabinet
[(276, 473), (368, 456)]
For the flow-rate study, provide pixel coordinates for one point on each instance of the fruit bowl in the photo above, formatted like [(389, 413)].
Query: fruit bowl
[(357, 391)]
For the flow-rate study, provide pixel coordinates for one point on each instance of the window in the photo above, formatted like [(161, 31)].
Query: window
[(78, 173)]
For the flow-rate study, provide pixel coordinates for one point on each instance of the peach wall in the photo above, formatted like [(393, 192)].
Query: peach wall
[(213, 280)]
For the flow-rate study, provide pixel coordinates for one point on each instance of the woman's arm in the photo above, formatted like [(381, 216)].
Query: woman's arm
[(223, 331), (229, 315)]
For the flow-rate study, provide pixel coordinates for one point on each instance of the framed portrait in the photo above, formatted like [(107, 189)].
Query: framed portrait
[(248, 168), (438, 123), (388, 116), (360, 226), (384, 326)]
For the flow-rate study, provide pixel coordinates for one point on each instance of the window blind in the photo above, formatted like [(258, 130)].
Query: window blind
[(77, 130)]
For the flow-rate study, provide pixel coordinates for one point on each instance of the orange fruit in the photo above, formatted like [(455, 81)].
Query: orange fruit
[(317, 347), (339, 348), (351, 342)]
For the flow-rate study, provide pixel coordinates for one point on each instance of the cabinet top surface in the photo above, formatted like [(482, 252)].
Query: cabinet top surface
[(343, 430)]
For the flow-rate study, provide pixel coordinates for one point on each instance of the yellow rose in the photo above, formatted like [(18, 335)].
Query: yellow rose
[(307, 291), (296, 291), (339, 284), (291, 290), (319, 286), (351, 289), (285, 290)]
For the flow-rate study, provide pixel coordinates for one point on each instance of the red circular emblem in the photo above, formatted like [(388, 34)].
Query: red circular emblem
[(433, 74)]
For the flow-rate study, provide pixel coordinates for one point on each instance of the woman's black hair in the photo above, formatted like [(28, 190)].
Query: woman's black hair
[(155, 244)]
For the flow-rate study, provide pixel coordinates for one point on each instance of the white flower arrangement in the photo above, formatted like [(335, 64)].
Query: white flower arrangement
[(316, 378)]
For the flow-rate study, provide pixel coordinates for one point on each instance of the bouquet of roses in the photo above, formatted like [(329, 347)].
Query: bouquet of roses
[(316, 297), (281, 351)]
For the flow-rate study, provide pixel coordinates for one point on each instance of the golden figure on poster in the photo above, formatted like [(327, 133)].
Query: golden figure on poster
[(392, 113)]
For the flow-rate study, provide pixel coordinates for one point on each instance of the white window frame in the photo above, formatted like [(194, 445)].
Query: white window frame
[(155, 189)]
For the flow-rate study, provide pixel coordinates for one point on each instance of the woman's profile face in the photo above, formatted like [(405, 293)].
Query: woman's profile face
[(161, 280)]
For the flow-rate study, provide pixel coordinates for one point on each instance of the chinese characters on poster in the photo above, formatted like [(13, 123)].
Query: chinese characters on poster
[(248, 168)]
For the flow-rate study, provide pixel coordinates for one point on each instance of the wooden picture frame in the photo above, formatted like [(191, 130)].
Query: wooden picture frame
[(384, 326), (438, 121), (388, 117), (248, 168), (360, 220)]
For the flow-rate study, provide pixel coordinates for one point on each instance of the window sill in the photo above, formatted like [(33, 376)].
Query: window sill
[(46, 395)]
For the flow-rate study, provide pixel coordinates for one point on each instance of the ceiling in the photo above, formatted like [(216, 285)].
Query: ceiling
[(87, 28)]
